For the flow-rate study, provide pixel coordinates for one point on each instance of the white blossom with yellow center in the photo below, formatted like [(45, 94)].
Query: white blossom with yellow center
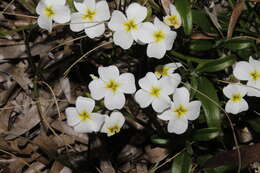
[(113, 123), (49, 10), (112, 86), (249, 71), (236, 103), (90, 17), (82, 118), (154, 91), (126, 27), (158, 36), (174, 18), (181, 111)]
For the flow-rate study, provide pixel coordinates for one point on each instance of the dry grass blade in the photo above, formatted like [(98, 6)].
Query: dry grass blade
[(8, 5), (214, 20), (83, 56), (20, 15), (234, 17)]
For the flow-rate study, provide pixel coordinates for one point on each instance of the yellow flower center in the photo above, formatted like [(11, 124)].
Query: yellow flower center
[(162, 71), (172, 21), (48, 11), (113, 129), (130, 25), (112, 85), (84, 116), (89, 15), (180, 111), (155, 92), (236, 97), (158, 36), (255, 75)]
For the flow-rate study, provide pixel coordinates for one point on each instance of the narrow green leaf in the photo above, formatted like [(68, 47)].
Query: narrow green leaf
[(237, 44), (209, 101), (217, 65), (201, 19), (206, 134), (184, 8), (182, 163), (159, 140), (201, 45)]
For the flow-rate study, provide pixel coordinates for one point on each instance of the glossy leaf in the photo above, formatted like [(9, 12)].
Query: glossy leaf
[(206, 134), (237, 44), (184, 8), (201, 45), (159, 140), (182, 163), (209, 99)]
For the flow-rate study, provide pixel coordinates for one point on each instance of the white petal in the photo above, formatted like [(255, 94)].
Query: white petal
[(177, 126), (88, 126), (85, 104), (81, 7), (123, 39), (148, 81), (118, 118), (55, 3), (181, 96), (114, 101), (156, 50), (193, 110), (167, 115), (97, 89), (72, 116), (45, 23), (161, 26), (175, 80), (242, 70), (90, 4), (40, 7), (94, 30), (170, 37), (173, 9), (102, 10), (161, 104), (77, 22), (173, 66), (231, 89), (62, 14), (143, 98), (254, 63), (117, 20), (253, 88), (108, 73), (167, 85), (99, 120), (145, 33), (236, 107), (137, 12), (127, 83)]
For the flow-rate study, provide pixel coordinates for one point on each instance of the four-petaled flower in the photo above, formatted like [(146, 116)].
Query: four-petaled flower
[(113, 123), (127, 27), (154, 91), (249, 71), (82, 118), (181, 111), (236, 103), (90, 17), (52, 10), (112, 86), (174, 19), (158, 36)]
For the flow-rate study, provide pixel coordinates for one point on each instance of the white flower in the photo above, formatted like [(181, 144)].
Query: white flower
[(90, 17), (174, 19), (113, 123), (181, 111), (236, 103), (52, 10), (154, 91), (112, 87), (158, 36), (82, 118), (249, 72), (126, 27)]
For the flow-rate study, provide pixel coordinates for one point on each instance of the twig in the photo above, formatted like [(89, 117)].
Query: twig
[(20, 15)]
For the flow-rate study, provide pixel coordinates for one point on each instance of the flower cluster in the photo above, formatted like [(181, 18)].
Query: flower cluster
[(127, 29), (245, 71)]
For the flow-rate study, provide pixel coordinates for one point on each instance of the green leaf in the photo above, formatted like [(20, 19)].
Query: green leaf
[(217, 65), (206, 134), (159, 140), (210, 102), (184, 8), (255, 124), (201, 19), (182, 163), (201, 45), (237, 44)]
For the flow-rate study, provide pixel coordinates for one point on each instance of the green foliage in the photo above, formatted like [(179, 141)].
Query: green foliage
[(184, 8), (182, 163)]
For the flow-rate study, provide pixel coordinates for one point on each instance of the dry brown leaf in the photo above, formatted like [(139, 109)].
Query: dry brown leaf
[(234, 17), (57, 167), (65, 86), (35, 166), (141, 168), (156, 154)]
